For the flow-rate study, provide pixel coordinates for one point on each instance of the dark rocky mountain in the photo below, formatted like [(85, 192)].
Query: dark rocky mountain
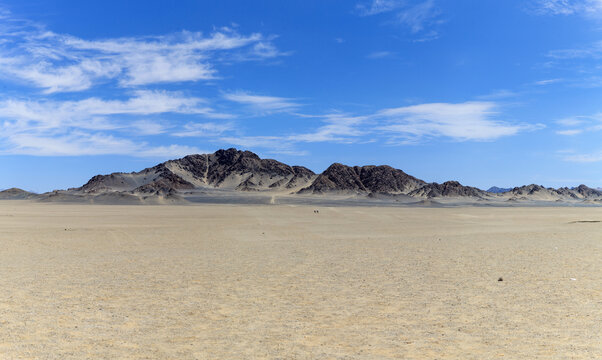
[(365, 179), (498, 190), (587, 192), (225, 169), (527, 189), (448, 189)]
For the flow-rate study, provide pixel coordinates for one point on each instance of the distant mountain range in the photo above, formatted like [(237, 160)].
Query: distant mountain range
[(230, 174), (497, 190)]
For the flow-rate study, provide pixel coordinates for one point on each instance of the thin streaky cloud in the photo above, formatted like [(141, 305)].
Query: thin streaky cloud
[(262, 102), (548, 82), (409, 125), (51, 113), (94, 126), (65, 63), (580, 124), (205, 129), (469, 121), (79, 143), (573, 121), (570, 132), (499, 94), (420, 18), (584, 158), (379, 6), (567, 7), (379, 54), (593, 50)]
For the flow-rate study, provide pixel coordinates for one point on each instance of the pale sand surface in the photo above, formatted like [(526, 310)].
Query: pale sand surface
[(280, 282)]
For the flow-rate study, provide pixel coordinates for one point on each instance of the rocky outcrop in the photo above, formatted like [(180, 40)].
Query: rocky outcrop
[(384, 179), (587, 192), (448, 189), (337, 178), (527, 190), (225, 169)]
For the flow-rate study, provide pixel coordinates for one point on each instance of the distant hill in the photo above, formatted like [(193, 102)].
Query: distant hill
[(15, 194), (497, 190)]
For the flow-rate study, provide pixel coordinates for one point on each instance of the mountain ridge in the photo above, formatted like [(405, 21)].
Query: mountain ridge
[(231, 171)]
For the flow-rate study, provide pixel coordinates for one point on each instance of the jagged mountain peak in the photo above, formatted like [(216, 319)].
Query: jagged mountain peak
[(448, 189), (363, 179), (226, 169)]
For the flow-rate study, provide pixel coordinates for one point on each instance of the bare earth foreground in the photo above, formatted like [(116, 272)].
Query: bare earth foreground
[(281, 282)]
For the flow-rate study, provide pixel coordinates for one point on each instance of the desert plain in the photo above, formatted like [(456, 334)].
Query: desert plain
[(284, 282)]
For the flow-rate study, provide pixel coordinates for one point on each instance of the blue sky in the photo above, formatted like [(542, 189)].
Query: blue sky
[(485, 92)]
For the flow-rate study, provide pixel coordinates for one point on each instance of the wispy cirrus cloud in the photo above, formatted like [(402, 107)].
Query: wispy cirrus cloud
[(569, 132), (593, 50), (65, 63), (379, 54), (94, 125), (342, 128), (262, 103), (567, 7), (584, 158), (577, 125), (548, 82), (408, 125), (469, 121), (78, 143), (204, 129), (82, 113), (583, 61), (419, 18), (375, 7)]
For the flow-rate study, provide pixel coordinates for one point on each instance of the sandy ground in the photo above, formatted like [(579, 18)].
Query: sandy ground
[(281, 282)]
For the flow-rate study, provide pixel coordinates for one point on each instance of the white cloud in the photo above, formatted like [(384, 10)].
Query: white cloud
[(548, 82), (580, 124), (419, 17), (379, 54), (171, 151), (78, 143), (148, 127), (592, 51), (380, 6), (572, 121), (568, 7), (94, 125), (498, 94), (257, 141), (208, 129), (89, 113), (569, 132), (60, 63), (338, 128), (584, 158), (469, 121), (261, 102)]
